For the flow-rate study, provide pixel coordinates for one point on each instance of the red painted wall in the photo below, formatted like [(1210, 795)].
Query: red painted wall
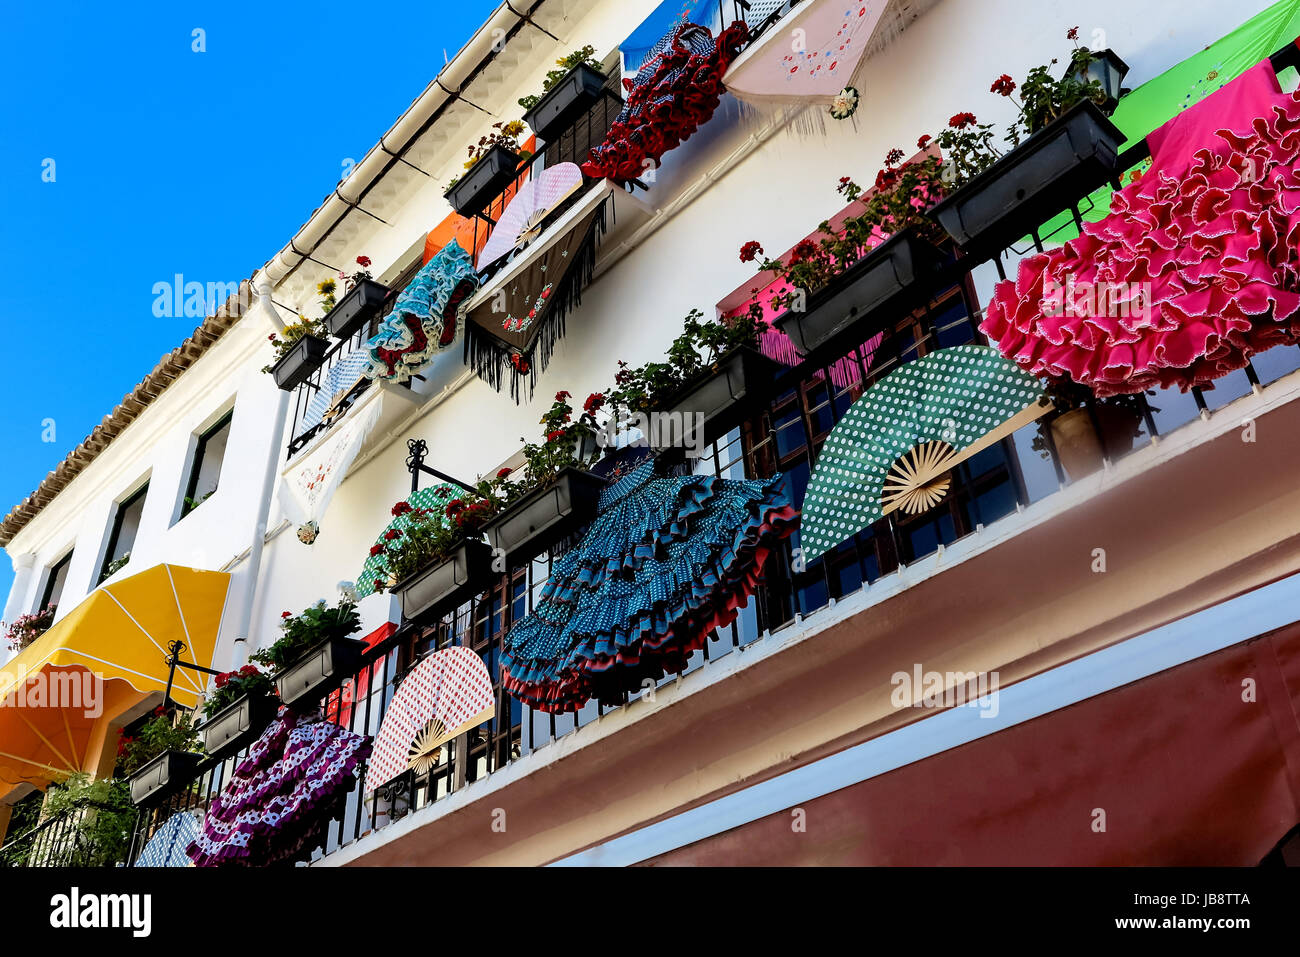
[(1186, 771)]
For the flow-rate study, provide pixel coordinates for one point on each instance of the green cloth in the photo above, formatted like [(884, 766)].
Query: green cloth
[(1155, 102), (433, 496)]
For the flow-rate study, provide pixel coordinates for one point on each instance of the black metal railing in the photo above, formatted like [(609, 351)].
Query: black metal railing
[(570, 146), (87, 834), (786, 436)]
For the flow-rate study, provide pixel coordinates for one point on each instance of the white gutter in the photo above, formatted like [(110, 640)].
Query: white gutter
[(399, 137), (258, 544)]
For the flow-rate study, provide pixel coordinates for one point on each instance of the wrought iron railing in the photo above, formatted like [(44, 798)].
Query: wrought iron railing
[(71, 839), (786, 436)]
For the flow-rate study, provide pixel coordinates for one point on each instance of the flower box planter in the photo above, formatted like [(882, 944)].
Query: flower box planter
[(433, 591), (864, 299), (164, 775), (546, 515), (238, 725), (484, 181), (356, 309), (306, 356), (1057, 166), (319, 671), (565, 102), (724, 395)]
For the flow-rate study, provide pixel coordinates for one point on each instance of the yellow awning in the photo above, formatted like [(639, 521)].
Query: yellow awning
[(121, 632)]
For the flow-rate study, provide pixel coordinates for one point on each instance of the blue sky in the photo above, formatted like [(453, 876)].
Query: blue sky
[(166, 161)]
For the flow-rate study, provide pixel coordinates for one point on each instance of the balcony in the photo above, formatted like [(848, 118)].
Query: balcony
[(1006, 490), (88, 834), (1014, 503)]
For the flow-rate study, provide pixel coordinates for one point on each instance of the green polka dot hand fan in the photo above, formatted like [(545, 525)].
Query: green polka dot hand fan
[(436, 497), (895, 446)]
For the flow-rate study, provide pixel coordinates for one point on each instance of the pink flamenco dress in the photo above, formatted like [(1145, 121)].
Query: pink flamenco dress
[(282, 798), (1194, 270)]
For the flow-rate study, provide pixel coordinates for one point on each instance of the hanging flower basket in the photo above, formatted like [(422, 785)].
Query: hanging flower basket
[(569, 99), (321, 670), (865, 297), (433, 591), (484, 181), (238, 725), (164, 775), (730, 391), (356, 309), (294, 368), (1066, 160), (545, 516)]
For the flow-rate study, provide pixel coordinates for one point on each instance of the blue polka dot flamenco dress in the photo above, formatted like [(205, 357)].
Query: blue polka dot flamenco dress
[(666, 562)]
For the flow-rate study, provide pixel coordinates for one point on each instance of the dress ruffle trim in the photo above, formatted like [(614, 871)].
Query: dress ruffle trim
[(671, 96), (282, 797), (1215, 246), (622, 612)]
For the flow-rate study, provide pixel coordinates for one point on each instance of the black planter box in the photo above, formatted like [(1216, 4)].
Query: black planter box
[(319, 671), (164, 775), (1057, 166), (356, 309), (565, 102), (864, 299), (238, 725), (435, 590), (306, 356), (726, 394), (545, 516), (484, 181)]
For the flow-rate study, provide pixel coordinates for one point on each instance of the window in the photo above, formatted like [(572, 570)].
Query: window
[(54, 578), (126, 523), (205, 470)]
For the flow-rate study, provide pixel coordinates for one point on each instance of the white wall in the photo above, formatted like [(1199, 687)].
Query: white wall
[(942, 64)]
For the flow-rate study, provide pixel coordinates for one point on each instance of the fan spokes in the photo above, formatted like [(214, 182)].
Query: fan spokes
[(425, 752), (920, 478)]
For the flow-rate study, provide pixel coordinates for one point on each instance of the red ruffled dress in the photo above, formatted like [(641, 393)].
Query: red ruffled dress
[(1194, 270), (676, 91)]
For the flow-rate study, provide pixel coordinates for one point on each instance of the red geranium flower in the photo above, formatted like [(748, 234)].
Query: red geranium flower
[(392, 535), (806, 250), (363, 262), (401, 508), (594, 403), (1072, 33), (504, 472), (223, 680), (1003, 85), (286, 614), (893, 156), (923, 142), (554, 436), (750, 251), (561, 396), (376, 550), (886, 178), (960, 121)]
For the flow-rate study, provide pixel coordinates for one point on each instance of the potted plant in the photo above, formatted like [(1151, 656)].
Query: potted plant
[(492, 165), (314, 656), (27, 628), (849, 282), (438, 561), (557, 494), (715, 379), (567, 93), (161, 757), (299, 351), (243, 703), (362, 300), (1086, 430), (1063, 147)]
